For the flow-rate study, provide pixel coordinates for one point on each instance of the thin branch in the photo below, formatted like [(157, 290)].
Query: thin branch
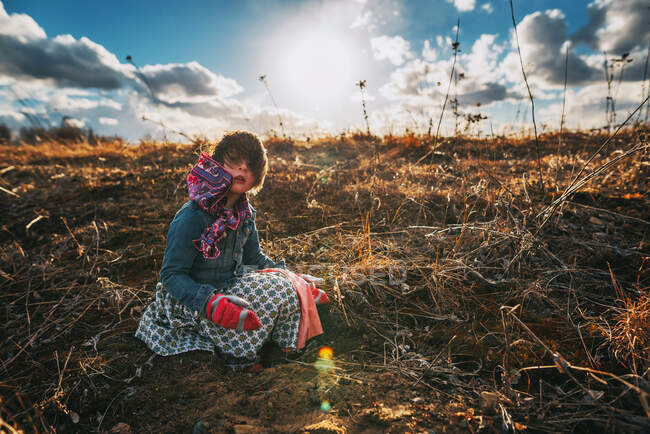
[(530, 94), (643, 84), (444, 104), (262, 78), (362, 84), (562, 118)]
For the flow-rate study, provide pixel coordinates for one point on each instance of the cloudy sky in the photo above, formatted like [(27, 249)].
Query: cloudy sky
[(197, 64)]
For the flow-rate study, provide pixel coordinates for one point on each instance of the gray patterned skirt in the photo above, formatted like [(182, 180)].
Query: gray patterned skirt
[(168, 327)]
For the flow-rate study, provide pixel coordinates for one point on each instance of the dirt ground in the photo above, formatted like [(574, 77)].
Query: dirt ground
[(432, 265)]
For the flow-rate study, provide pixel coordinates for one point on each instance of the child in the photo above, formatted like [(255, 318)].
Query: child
[(210, 297)]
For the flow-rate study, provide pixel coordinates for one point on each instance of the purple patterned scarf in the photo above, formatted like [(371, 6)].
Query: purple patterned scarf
[(208, 183)]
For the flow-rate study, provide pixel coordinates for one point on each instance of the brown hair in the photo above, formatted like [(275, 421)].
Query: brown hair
[(242, 145)]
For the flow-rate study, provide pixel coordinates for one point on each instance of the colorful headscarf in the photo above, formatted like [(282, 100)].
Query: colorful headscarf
[(207, 184)]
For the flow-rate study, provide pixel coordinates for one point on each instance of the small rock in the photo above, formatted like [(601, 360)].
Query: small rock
[(74, 416), (488, 401), (122, 428), (597, 221), (201, 427)]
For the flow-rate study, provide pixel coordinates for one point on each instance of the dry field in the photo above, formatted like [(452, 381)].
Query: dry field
[(458, 303)]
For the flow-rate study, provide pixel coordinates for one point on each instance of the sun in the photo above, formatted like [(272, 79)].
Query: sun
[(319, 66)]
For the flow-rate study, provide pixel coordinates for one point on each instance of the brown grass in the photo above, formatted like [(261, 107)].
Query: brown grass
[(431, 267)]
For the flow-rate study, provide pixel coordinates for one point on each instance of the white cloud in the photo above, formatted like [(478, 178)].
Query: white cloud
[(184, 82), (108, 121), (585, 106), (487, 7), (616, 26), (464, 5), (478, 78), (356, 97), (396, 49), (64, 102), (74, 122), (369, 15), (27, 55), (364, 20), (542, 36), (20, 26), (110, 103), (412, 81), (444, 42), (62, 60), (428, 53), (8, 115), (544, 42), (481, 63)]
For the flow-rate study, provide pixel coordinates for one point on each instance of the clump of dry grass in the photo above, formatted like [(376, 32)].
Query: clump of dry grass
[(277, 144), (628, 336)]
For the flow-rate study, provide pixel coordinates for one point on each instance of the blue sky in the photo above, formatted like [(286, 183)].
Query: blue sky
[(203, 60)]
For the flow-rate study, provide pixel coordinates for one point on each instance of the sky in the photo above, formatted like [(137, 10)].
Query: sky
[(196, 66)]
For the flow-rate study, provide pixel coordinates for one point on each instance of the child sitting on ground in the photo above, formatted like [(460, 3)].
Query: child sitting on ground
[(211, 295)]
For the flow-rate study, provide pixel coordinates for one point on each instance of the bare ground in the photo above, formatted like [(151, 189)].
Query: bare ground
[(455, 306)]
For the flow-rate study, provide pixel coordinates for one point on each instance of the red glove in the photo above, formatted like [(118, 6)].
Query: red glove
[(320, 297), (222, 310)]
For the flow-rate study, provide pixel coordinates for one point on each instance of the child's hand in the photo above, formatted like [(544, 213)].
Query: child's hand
[(223, 312)]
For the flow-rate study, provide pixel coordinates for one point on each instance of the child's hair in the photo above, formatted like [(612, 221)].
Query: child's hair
[(242, 145)]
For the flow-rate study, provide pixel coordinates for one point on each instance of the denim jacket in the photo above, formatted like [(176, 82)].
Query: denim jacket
[(192, 279)]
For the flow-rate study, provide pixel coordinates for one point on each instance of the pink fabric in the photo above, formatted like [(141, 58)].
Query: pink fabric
[(310, 325)]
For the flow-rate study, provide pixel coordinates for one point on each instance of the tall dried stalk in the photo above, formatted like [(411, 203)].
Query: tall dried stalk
[(454, 47), (361, 84), (154, 99), (566, 75), (609, 77), (454, 104), (562, 118), (530, 95), (643, 89), (622, 62), (143, 78), (262, 78), (29, 111)]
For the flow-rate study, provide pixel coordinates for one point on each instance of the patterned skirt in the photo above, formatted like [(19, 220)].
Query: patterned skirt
[(168, 327)]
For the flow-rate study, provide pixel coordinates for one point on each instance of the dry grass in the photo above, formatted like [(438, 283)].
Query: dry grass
[(423, 263)]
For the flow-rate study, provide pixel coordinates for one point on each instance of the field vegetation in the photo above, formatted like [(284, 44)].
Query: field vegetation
[(465, 295)]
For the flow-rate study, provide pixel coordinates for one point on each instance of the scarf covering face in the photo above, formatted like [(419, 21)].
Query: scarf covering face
[(208, 183)]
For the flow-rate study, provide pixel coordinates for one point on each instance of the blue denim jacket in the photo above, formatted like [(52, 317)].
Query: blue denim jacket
[(192, 279)]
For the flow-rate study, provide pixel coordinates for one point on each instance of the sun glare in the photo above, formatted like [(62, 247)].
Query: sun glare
[(320, 66)]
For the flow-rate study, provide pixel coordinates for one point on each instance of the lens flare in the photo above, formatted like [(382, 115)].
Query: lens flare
[(324, 365), (326, 353), (325, 406)]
